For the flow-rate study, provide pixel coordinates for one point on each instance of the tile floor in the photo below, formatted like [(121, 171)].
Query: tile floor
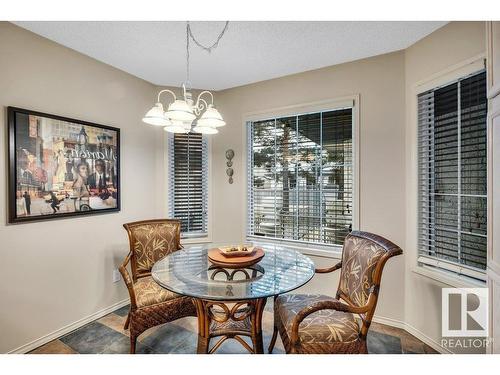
[(107, 336)]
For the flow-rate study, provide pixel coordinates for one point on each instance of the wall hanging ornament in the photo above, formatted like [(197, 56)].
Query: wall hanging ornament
[(229, 163)]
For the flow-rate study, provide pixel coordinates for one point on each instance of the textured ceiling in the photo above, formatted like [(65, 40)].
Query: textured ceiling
[(249, 52)]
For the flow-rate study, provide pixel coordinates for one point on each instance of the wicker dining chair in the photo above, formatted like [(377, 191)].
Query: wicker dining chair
[(320, 324), (150, 304)]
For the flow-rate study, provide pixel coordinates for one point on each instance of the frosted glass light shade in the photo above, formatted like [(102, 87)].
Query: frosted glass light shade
[(205, 129), (211, 118), (179, 110), (178, 127), (175, 129), (155, 116)]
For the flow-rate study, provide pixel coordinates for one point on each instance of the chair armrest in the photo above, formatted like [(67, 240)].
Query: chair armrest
[(330, 269), (128, 280), (322, 305)]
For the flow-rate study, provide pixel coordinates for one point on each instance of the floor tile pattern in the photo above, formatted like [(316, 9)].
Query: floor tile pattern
[(107, 336)]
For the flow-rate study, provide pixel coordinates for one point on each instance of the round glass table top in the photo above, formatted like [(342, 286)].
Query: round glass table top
[(189, 272)]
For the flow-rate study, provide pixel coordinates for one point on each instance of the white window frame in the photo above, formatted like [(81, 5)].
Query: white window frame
[(439, 270), (351, 101), (191, 239)]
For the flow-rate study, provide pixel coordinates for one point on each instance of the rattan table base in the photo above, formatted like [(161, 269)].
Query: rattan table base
[(227, 320)]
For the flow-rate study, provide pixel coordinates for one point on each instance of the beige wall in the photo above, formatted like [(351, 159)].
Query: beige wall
[(387, 181), (379, 81), (428, 58), (57, 272)]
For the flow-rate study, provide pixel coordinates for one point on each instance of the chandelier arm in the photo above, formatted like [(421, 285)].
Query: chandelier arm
[(200, 98), (200, 105), (184, 90), (166, 90)]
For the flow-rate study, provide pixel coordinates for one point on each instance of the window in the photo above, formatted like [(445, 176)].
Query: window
[(452, 176), (300, 177), (188, 183)]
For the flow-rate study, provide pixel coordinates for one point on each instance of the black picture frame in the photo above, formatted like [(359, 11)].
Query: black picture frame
[(107, 191)]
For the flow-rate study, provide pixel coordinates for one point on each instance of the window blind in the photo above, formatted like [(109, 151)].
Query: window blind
[(300, 177), (452, 175), (188, 182)]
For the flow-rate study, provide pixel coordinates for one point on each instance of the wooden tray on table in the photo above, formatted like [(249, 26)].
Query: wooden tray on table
[(219, 259)]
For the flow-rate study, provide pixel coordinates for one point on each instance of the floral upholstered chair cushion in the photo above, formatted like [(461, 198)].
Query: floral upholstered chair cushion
[(150, 304), (321, 327), (321, 324), (148, 292), (359, 259), (151, 242)]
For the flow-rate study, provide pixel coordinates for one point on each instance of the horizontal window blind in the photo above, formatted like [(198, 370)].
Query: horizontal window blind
[(452, 175), (188, 182), (300, 177)]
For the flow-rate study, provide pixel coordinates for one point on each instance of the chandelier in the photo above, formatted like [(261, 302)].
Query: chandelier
[(186, 115)]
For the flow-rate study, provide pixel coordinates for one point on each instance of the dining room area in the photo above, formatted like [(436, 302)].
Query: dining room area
[(204, 190), (226, 300)]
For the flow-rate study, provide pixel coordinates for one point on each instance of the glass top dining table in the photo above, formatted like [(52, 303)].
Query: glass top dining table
[(189, 272)]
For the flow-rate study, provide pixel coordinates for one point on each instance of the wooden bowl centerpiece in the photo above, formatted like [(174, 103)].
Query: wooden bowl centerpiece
[(235, 256)]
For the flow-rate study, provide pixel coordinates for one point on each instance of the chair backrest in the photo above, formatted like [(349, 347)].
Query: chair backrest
[(151, 240), (363, 258)]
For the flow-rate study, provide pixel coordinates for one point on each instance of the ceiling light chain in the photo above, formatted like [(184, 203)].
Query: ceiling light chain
[(189, 35), (214, 45), (187, 51), (181, 114)]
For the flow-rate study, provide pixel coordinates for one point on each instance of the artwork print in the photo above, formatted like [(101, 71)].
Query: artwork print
[(61, 167)]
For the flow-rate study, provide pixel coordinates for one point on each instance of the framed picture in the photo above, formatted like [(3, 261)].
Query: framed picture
[(60, 167)]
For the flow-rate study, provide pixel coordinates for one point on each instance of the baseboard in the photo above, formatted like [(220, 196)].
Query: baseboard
[(67, 329), (99, 314), (412, 331), (426, 339), (389, 322)]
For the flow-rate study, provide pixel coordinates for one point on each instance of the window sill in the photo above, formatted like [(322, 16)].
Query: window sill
[(448, 278), (331, 252), (193, 241)]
